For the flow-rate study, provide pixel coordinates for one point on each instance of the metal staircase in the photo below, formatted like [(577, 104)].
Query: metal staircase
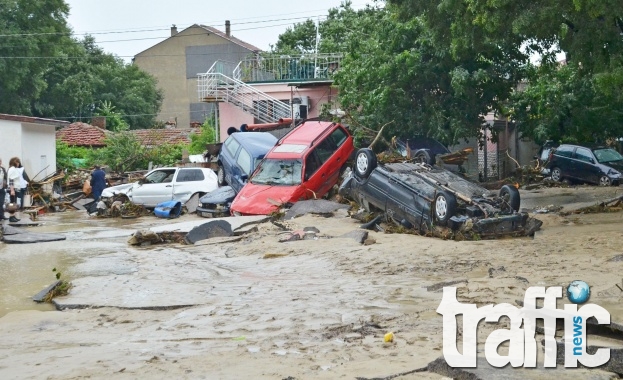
[(222, 84)]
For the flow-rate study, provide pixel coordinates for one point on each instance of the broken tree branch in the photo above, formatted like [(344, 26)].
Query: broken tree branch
[(378, 135), (514, 160)]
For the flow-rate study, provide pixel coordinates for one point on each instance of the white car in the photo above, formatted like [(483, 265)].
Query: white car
[(166, 184)]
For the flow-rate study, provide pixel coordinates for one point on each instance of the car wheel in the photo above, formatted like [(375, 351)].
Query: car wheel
[(604, 180), (365, 162), (556, 174), (444, 207), (423, 157), (220, 174), (510, 195)]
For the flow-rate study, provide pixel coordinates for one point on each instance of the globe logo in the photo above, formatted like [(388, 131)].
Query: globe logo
[(578, 291)]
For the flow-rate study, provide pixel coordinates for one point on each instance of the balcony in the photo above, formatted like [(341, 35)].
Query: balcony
[(284, 68)]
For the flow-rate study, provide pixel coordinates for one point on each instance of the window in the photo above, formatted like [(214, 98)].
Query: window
[(244, 161), (338, 137), (583, 154), (312, 164), (190, 175), (232, 146), (325, 150), (564, 151), (607, 155), (159, 176)]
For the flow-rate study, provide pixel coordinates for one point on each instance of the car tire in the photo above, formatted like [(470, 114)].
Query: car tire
[(423, 157), (220, 175), (365, 162), (444, 207), (511, 196), (556, 174), (604, 180)]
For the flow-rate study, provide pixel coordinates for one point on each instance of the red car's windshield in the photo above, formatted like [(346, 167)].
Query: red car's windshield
[(278, 172)]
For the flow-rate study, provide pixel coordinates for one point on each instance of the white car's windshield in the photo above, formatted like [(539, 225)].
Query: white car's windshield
[(607, 155), (278, 172)]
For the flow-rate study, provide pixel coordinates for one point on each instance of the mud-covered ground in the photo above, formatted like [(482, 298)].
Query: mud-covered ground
[(259, 308)]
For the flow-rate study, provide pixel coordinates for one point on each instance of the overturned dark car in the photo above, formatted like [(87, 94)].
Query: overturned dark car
[(417, 195)]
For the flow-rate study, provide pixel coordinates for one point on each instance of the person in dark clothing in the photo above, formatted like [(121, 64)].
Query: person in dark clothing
[(98, 182), (4, 180)]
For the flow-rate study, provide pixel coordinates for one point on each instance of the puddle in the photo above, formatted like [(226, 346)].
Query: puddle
[(25, 269)]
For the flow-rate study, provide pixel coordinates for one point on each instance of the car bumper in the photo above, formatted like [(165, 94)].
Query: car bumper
[(208, 212)]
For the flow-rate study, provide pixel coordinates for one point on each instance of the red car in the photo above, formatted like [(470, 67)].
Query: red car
[(305, 164)]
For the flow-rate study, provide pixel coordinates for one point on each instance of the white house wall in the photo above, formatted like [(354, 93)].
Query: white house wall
[(10, 140), (38, 150)]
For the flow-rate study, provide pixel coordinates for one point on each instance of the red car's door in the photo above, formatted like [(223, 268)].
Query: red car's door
[(330, 154), (314, 176)]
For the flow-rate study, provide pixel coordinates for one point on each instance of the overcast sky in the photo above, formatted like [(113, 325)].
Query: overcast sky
[(127, 27)]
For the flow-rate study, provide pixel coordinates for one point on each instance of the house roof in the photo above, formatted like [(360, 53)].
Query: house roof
[(213, 31), (82, 134), (230, 38), (30, 119), (153, 137)]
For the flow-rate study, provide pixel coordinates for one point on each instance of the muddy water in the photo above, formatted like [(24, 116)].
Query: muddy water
[(25, 269)]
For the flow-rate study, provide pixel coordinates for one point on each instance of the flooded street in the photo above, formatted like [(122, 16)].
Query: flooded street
[(27, 268), (260, 308)]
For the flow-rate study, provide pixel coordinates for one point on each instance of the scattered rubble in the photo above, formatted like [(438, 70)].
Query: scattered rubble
[(211, 229), (360, 236), (191, 232), (321, 207), (11, 235)]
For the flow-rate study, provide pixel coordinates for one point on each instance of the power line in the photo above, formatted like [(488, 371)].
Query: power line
[(156, 30)]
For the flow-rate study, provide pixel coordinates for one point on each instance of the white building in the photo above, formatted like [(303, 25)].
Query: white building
[(33, 140)]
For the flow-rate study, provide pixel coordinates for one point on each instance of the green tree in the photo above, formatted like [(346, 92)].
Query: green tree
[(125, 152), (566, 104), (34, 33), (198, 141), (114, 122), (588, 31), (89, 78), (334, 30), (45, 72), (394, 70), (299, 39)]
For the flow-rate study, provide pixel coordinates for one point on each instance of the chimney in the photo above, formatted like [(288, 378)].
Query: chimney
[(173, 30), (227, 28)]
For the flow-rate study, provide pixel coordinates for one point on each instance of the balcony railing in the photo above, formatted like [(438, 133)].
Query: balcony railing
[(282, 68)]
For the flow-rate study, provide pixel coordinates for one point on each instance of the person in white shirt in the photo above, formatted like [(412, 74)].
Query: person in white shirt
[(23, 185), (14, 181)]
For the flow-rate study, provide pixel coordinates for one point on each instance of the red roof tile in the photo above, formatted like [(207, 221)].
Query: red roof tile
[(82, 134), (153, 137)]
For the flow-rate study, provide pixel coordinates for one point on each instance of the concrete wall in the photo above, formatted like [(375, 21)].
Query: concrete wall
[(175, 63), (34, 144), (317, 96)]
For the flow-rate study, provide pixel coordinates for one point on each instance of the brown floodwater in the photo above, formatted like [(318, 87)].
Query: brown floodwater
[(26, 269)]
